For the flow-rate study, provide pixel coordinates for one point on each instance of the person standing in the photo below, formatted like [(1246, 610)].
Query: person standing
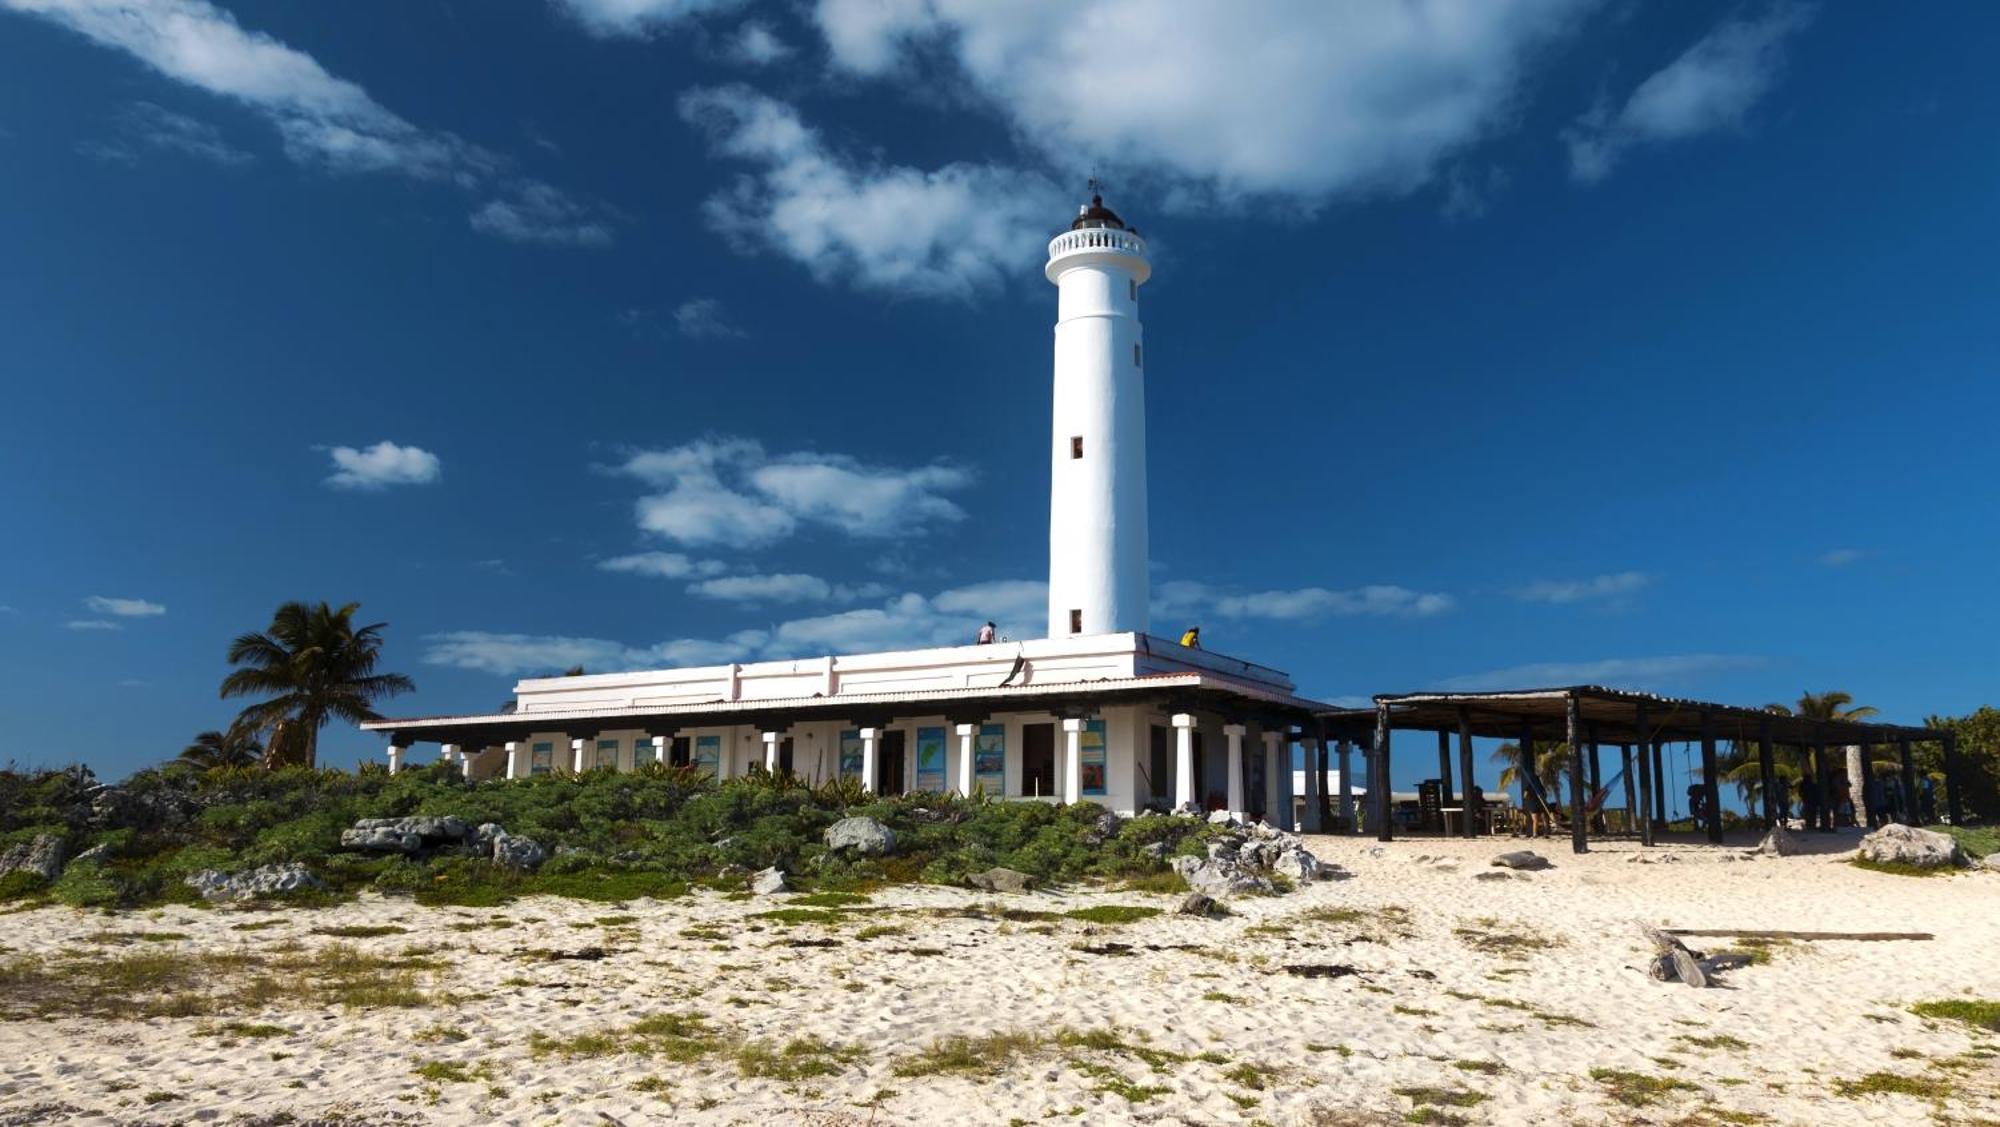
[(1808, 803), (986, 634)]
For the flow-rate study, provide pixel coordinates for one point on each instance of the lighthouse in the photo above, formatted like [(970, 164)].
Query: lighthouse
[(1098, 581)]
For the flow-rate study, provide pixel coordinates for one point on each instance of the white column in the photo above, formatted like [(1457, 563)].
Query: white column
[(1274, 788), (395, 759), (1315, 787), (513, 760), (1184, 781), (1235, 732), (576, 756), (869, 738), (771, 741), (449, 752), (966, 734), (1072, 788)]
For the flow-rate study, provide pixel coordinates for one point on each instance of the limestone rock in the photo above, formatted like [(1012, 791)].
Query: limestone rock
[(268, 880), (1896, 844), (1780, 842), (1001, 880), (1106, 828), (768, 881), (404, 835), (1992, 862), (95, 855), (515, 852), (1220, 877), (1199, 904), (41, 855), (1526, 860), (1297, 864), (865, 836), (1222, 818)]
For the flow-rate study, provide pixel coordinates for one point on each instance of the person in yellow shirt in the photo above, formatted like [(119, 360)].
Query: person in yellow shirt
[(1192, 639)]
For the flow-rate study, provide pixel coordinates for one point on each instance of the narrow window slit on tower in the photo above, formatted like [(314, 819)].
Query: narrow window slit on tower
[(1076, 446), (1134, 284), (1076, 622), (1135, 355)]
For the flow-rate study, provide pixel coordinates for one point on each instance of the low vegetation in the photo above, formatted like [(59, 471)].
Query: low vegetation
[(616, 837), (1980, 1014), (169, 983)]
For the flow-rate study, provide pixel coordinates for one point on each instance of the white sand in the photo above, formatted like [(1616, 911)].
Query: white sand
[(1817, 1013)]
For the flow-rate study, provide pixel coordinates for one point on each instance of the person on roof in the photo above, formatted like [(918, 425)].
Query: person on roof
[(986, 634), (1192, 638)]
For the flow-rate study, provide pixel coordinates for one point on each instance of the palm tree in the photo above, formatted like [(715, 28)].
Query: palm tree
[(314, 665), (1792, 763), (236, 747), (1552, 767)]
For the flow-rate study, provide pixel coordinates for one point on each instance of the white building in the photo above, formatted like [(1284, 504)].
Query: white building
[(1098, 711)]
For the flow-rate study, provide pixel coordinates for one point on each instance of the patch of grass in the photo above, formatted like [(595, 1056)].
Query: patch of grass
[(152, 1098), (1976, 1013), (827, 900), (453, 1072), (1112, 913), (250, 1029), (677, 1037), (202, 983), (1896, 1084), (1977, 841), (1251, 1076), (652, 1084), (257, 925), (1509, 942), (439, 1034), (877, 931), (1413, 1011), (986, 1054), (1483, 1067), (107, 937), (361, 931), (1432, 1096), (1636, 1089), (792, 917), (797, 1059), (1219, 996), (1718, 1041), (1166, 881)]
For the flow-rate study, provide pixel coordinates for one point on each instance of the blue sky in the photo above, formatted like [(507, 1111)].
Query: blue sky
[(1489, 343)]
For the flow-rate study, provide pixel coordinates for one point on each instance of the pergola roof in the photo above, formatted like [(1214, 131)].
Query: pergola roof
[(1184, 690), (1611, 716)]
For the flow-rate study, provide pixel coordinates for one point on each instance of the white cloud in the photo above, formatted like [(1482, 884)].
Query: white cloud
[(1709, 88), (778, 588), (903, 622), (1183, 597), (1627, 673), (91, 624), (661, 565), (730, 492), (1296, 98), (382, 465), (533, 212), (949, 232), (638, 17), (701, 318), (755, 44), (513, 654), (145, 125), (123, 608), (1841, 557), (323, 121), (1598, 587)]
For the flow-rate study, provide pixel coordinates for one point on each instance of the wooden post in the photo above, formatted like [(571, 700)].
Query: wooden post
[(1594, 764), (1579, 834), (1659, 786), (1465, 768), (1444, 767), (1767, 767), (1378, 777), (1951, 778), (1631, 787), (1710, 788), (1829, 806), (1528, 772), (1911, 816), (1347, 817), (1321, 757), (1647, 784)]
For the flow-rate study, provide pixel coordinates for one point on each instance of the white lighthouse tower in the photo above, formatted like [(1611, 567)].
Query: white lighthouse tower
[(1098, 582)]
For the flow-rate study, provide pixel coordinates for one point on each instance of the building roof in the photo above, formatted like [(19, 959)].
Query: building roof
[(1185, 690), (1612, 716), (1095, 214)]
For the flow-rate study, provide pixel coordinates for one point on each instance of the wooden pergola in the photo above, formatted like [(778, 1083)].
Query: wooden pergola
[(1590, 717)]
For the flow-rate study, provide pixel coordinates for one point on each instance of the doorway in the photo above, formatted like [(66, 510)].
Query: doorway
[(1160, 765), (1038, 759), (785, 756), (889, 762)]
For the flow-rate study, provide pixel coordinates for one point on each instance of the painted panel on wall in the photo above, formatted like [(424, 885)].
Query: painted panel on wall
[(1090, 744), (930, 759), (850, 753), (989, 759), (708, 755), (543, 759)]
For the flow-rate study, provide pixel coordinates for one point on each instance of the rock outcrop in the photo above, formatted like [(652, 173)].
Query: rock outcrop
[(1780, 842), (1896, 844), (404, 835), (254, 884), (41, 856), (768, 881), (1001, 880), (864, 836)]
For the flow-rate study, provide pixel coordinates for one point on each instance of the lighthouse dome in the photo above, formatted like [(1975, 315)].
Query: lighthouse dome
[(1095, 214)]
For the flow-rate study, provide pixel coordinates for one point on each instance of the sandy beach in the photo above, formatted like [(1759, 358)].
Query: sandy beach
[(1425, 984)]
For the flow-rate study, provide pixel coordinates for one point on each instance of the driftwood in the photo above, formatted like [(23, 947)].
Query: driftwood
[(1672, 960), (1742, 933)]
